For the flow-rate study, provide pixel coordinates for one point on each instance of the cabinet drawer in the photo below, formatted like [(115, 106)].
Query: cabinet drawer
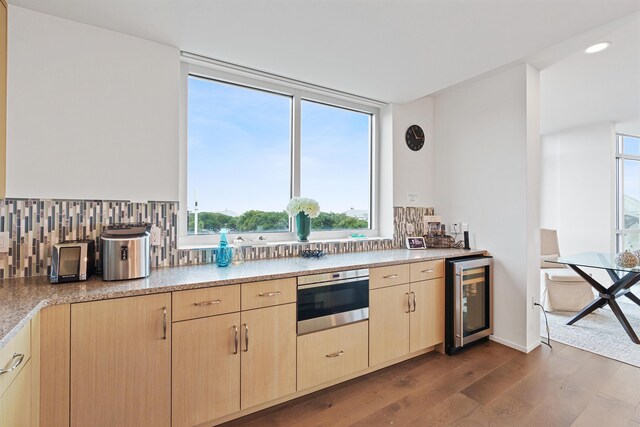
[(426, 270), (332, 354), (381, 277), (205, 302), (20, 345), (266, 294)]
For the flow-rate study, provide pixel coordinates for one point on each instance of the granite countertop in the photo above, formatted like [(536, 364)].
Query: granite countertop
[(22, 298)]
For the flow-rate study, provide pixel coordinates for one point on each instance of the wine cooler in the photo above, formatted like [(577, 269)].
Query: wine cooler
[(469, 306)]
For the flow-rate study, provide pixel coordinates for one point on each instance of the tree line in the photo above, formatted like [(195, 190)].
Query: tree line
[(254, 220)]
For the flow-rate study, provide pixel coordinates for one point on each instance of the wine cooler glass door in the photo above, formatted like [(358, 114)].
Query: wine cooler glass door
[(473, 302)]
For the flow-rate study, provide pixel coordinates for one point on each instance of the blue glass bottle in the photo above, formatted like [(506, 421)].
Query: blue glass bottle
[(225, 253)]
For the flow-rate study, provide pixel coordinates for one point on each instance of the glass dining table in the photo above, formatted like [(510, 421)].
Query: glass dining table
[(623, 279)]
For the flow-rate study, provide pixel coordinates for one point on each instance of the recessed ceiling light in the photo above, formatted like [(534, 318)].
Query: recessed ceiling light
[(598, 47)]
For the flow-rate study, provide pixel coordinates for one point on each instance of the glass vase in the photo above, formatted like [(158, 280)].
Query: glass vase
[(303, 226)]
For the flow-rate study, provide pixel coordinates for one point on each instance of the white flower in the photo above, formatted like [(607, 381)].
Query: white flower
[(301, 204)]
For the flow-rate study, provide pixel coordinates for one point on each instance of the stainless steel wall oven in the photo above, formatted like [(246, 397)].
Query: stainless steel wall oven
[(332, 299)]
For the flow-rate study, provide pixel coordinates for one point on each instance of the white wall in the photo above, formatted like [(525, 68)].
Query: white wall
[(413, 170), (629, 127), (92, 114), (486, 161), (578, 187)]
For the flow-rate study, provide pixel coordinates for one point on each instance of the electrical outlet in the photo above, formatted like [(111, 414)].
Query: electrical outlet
[(156, 236), (4, 242), (410, 228), (534, 301)]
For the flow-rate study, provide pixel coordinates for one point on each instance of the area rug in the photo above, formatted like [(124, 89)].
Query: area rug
[(599, 332)]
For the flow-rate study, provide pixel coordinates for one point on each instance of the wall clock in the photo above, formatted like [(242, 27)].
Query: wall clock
[(414, 137)]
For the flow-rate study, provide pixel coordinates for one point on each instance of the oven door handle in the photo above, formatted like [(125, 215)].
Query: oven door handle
[(335, 283)]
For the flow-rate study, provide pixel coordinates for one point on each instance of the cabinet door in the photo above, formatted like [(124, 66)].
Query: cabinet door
[(206, 369), (388, 324), (121, 362), (427, 321), (15, 403), (268, 354)]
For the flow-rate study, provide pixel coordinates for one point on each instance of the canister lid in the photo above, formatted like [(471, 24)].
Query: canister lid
[(134, 229)]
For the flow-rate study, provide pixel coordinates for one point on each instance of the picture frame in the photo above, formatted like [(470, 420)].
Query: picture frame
[(416, 242)]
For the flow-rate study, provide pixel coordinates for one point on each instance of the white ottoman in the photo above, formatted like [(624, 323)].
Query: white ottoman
[(563, 289)]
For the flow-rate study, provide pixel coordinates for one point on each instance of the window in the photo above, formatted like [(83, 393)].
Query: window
[(628, 193), (252, 145)]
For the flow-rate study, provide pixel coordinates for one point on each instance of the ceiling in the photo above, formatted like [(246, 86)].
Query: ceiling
[(583, 89), (394, 51)]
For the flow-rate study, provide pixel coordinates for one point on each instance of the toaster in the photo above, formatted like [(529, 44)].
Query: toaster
[(125, 251), (72, 261)]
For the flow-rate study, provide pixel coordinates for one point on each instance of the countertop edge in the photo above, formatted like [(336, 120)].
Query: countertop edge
[(57, 300)]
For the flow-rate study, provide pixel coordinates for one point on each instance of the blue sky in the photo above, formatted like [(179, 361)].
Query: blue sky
[(239, 151)]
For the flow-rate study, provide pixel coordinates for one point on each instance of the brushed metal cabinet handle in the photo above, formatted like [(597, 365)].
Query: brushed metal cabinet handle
[(336, 354), (212, 302), (235, 340), (246, 337), (164, 323), (408, 303), (20, 357), (430, 270), (414, 301), (269, 294), (390, 276)]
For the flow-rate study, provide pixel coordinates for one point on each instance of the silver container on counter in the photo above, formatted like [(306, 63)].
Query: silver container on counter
[(125, 251)]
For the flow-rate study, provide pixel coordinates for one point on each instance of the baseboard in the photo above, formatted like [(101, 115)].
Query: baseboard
[(512, 344)]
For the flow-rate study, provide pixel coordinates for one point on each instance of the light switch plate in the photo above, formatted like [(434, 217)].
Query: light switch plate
[(412, 197)]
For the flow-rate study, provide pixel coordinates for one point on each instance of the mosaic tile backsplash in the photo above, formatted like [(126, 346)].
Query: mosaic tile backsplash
[(404, 216), (34, 225)]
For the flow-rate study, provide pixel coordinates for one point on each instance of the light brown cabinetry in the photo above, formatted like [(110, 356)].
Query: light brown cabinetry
[(121, 362), (206, 369), (389, 323), (228, 362), (427, 319), (15, 380), (268, 354), (51, 347), (335, 353), (15, 403), (409, 317)]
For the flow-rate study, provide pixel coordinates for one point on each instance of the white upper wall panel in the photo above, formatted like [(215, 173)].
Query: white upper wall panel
[(92, 114)]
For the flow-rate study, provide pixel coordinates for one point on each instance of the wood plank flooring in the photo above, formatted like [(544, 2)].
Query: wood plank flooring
[(487, 385)]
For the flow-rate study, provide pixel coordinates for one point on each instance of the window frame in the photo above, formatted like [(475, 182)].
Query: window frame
[(298, 93), (621, 156)]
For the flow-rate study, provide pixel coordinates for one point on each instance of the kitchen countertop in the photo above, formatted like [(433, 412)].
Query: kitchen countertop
[(22, 298)]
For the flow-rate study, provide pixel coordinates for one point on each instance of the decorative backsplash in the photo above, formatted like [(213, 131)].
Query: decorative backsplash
[(34, 225), (404, 216)]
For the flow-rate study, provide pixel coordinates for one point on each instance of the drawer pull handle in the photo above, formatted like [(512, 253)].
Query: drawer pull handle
[(336, 354), (430, 270), (215, 301), (235, 339), (20, 357), (164, 323), (269, 294), (390, 276)]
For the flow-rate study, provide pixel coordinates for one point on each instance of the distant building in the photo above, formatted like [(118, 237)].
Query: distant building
[(227, 212), (358, 214)]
